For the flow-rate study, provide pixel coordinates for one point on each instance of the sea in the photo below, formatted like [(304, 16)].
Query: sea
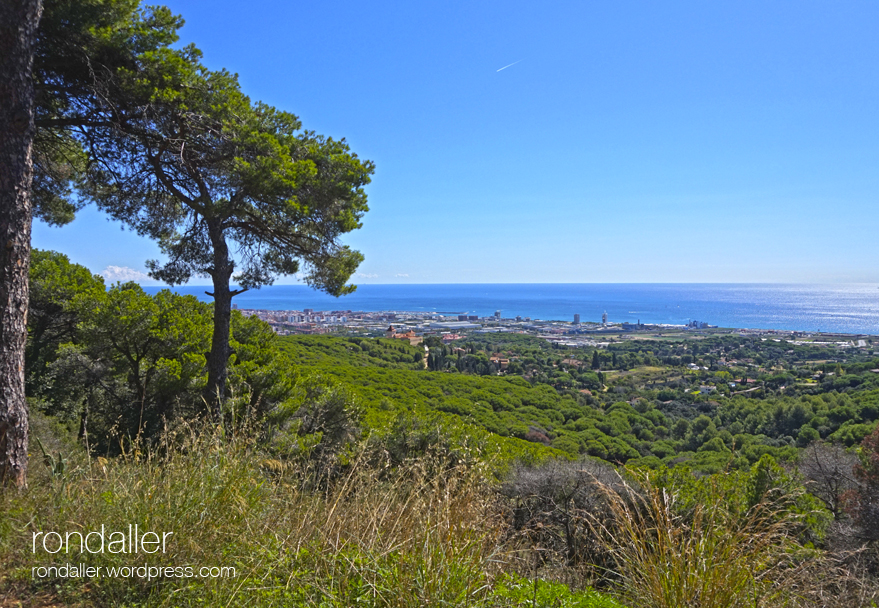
[(835, 308)]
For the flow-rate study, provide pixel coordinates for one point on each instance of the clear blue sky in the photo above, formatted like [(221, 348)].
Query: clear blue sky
[(632, 142)]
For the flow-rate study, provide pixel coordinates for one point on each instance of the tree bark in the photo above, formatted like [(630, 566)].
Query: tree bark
[(221, 274), (18, 29)]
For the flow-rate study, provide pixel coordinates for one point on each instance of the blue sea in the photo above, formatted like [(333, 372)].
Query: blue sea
[(844, 308)]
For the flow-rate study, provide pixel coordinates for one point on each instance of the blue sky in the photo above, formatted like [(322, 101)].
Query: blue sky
[(631, 142)]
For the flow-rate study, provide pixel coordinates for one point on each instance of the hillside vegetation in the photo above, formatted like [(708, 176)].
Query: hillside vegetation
[(355, 471), (650, 414)]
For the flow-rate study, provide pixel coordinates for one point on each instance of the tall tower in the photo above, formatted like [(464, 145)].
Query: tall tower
[(576, 318), (604, 318)]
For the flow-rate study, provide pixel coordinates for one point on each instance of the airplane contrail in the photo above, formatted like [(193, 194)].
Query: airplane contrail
[(509, 66)]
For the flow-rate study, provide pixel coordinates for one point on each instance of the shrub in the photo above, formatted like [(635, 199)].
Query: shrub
[(863, 502), (548, 507)]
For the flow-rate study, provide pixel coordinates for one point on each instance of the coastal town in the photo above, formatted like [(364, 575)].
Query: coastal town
[(415, 327)]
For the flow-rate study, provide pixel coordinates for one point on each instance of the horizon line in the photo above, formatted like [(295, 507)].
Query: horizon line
[(542, 283)]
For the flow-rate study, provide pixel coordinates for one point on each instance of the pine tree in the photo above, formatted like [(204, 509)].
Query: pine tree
[(18, 35)]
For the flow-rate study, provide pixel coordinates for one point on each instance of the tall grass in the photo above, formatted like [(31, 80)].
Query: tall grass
[(419, 534), (423, 533), (411, 536), (705, 556)]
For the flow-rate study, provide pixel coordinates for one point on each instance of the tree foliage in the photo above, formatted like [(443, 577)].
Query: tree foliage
[(86, 54), (180, 154), (230, 189), (52, 319), (124, 364)]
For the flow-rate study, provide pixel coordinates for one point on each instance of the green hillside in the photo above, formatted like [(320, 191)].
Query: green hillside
[(494, 471)]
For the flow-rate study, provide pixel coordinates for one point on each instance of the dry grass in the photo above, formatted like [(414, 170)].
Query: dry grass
[(415, 535), (407, 537), (838, 580), (703, 557), (426, 533)]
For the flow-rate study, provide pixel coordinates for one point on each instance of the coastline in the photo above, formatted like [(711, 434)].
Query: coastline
[(850, 309)]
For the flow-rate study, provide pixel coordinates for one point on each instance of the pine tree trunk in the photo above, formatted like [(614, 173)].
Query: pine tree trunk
[(215, 392), (18, 27)]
